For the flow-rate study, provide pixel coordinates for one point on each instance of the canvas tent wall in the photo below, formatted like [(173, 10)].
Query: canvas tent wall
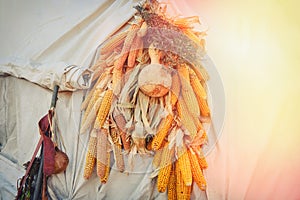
[(40, 39), (56, 45)]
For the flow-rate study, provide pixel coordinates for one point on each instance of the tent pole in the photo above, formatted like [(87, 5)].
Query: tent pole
[(39, 181)]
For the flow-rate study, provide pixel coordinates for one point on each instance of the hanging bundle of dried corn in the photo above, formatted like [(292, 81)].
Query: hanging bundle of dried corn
[(149, 98)]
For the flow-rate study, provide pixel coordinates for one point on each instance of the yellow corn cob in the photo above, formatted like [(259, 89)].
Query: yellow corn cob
[(196, 170), (111, 59), (196, 85), (135, 47), (198, 125), (186, 119), (116, 79), (175, 89), (182, 190), (184, 165), (89, 120), (172, 185), (167, 155), (127, 44), (204, 109), (162, 132), (130, 36), (101, 152), (117, 149), (90, 158), (200, 72), (88, 98), (113, 42), (202, 162), (121, 60), (104, 109), (96, 95), (143, 30), (203, 137), (107, 169), (187, 91), (163, 178), (201, 159), (183, 72), (165, 168), (121, 123)]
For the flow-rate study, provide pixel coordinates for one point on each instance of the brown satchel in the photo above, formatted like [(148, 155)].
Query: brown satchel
[(55, 161)]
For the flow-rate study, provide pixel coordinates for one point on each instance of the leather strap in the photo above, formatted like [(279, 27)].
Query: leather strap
[(30, 165)]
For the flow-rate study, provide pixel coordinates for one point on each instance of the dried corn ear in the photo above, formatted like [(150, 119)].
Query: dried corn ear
[(90, 95), (111, 59), (172, 184), (183, 72), (119, 63), (200, 72), (107, 169), (196, 170), (130, 36), (187, 91), (167, 155), (104, 109), (90, 157), (201, 158), (175, 88), (162, 132), (163, 178), (117, 79), (184, 165), (89, 120), (134, 49), (185, 117), (182, 190), (196, 85), (117, 149), (102, 141), (113, 42), (165, 168), (204, 109), (126, 141)]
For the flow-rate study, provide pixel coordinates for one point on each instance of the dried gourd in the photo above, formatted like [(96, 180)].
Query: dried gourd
[(155, 80)]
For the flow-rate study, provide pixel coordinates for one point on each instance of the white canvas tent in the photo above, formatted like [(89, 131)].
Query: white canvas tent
[(38, 41), (56, 47)]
